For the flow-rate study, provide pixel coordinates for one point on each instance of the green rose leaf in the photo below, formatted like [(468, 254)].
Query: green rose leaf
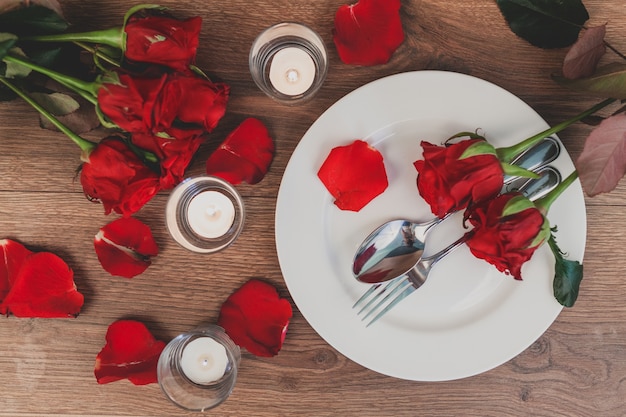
[(545, 23), (7, 41), (32, 20), (607, 81), (567, 276)]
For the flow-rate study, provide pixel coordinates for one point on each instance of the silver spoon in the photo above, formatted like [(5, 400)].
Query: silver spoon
[(396, 246)]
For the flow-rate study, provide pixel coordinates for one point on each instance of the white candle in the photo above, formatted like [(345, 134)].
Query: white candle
[(292, 71), (211, 214), (204, 360)]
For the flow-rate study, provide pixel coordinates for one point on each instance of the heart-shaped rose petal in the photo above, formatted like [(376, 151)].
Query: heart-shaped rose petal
[(44, 287), (354, 174), (125, 247), (368, 32), (256, 318), (245, 155), (131, 352)]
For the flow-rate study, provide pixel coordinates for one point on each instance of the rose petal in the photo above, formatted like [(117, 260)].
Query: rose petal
[(368, 32), (12, 256), (131, 352), (125, 247), (354, 174), (256, 318), (245, 155), (44, 287)]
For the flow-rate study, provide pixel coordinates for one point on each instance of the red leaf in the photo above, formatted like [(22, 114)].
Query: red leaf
[(602, 162), (583, 57), (44, 287), (125, 247), (256, 318), (368, 32), (354, 175), (245, 155), (12, 256), (130, 352)]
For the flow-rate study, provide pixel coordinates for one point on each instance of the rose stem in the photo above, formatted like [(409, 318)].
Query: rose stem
[(545, 202)]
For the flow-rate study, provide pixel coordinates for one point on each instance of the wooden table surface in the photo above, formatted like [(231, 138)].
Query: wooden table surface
[(577, 368)]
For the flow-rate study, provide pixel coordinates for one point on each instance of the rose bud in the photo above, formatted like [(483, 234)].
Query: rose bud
[(507, 231), (454, 175)]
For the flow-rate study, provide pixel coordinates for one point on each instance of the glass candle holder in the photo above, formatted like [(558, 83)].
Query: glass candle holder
[(198, 370), (288, 61), (204, 214)]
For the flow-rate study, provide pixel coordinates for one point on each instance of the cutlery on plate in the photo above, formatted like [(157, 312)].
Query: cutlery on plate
[(380, 298), (396, 246)]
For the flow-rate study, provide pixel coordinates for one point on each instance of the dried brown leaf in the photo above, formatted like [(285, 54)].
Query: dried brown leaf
[(602, 162), (583, 57)]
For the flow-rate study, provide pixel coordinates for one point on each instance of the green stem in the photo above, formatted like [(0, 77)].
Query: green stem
[(112, 37), (545, 202), (98, 53), (509, 153), (85, 145), (78, 85)]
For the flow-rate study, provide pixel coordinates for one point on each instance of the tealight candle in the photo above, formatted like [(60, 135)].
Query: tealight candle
[(211, 214), (204, 360), (292, 71)]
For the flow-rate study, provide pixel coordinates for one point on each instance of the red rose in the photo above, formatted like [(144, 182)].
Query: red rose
[(199, 102), (129, 101), (449, 180), (174, 155), (256, 318), (507, 231), (162, 40), (117, 178), (368, 32), (172, 105)]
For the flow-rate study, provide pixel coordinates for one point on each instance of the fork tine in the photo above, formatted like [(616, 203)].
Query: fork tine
[(390, 285), (407, 291), (400, 286), (366, 294)]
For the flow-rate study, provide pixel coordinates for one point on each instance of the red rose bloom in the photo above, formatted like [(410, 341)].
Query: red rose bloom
[(128, 102), (174, 155), (450, 181), (256, 318), (196, 101), (162, 40), (117, 178), (173, 105), (507, 231), (368, 32)]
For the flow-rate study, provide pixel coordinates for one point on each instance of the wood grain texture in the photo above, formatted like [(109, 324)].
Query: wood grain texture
[(577, 368)]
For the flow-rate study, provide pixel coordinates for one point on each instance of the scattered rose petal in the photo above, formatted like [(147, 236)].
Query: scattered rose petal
[(12, 256), (368, 32), (354, 175), (583, 57), (125, 247), (130, 352), (256, 318), (44, 287), (245, 155)]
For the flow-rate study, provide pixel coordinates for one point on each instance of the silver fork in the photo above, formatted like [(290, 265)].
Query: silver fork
[(380, 298)]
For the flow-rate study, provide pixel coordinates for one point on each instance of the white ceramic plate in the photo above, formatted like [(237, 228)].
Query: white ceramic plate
[(467, 318)]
